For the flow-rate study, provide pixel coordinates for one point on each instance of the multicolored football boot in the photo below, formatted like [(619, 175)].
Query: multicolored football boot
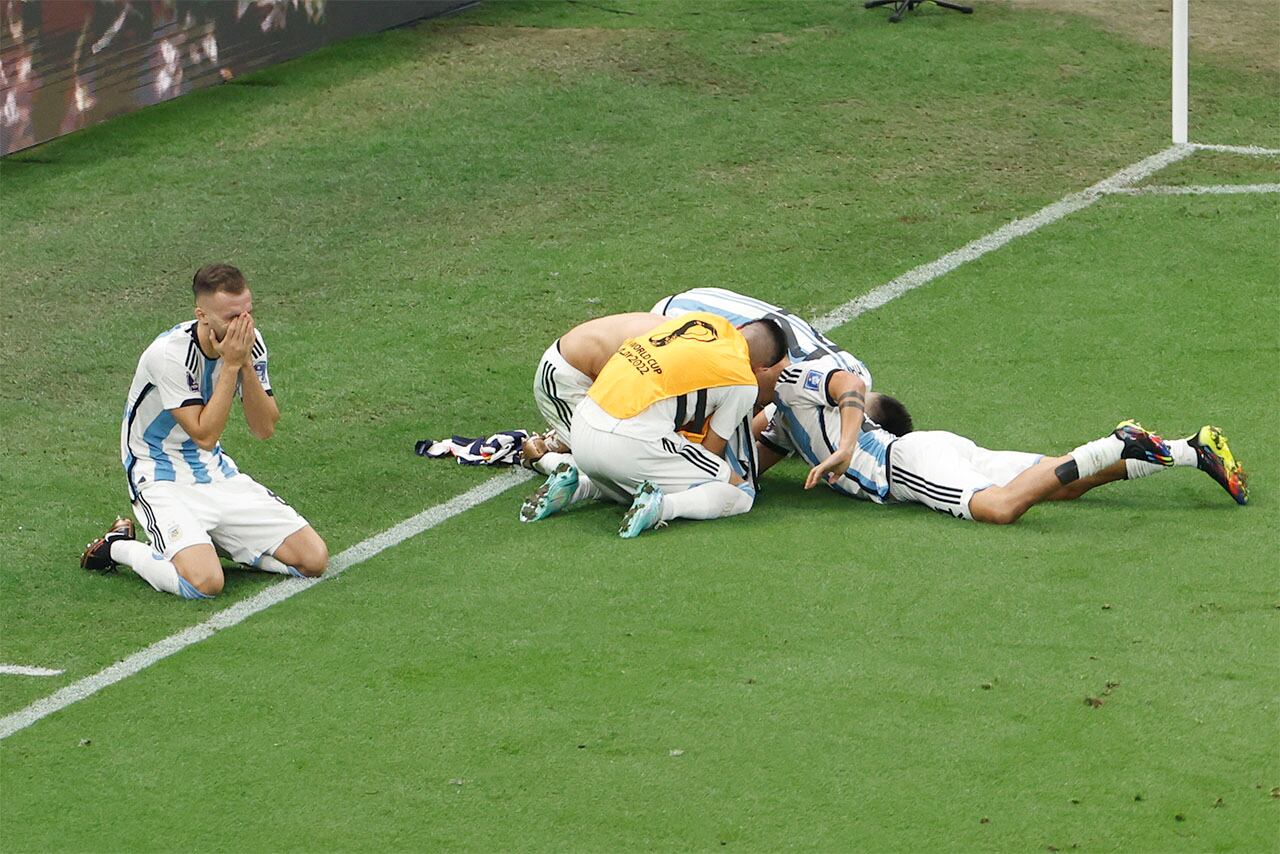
[(1214, 458), (645, 512), (97, 555), (1139, 444), (553, 496)]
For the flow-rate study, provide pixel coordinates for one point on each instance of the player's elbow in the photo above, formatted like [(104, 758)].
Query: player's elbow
[(263, 431), (205, 443)]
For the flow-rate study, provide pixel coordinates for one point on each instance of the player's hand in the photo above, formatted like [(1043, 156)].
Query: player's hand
[(829, 469), (238, 342)]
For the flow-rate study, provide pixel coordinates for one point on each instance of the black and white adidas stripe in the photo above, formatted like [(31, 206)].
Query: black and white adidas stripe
[(548, 380), (152, 526), (693, 456), (936, 491)]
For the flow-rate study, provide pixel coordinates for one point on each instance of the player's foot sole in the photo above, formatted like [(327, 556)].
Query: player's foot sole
[(553, 496), (97, 555), (645, 512), (1214, 458), (1139, 444)]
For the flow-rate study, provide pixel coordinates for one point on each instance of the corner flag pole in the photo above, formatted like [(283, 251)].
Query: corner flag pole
[(1179, 71)]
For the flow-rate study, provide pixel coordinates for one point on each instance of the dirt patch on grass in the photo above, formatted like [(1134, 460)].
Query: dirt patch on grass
[(1244, 33)]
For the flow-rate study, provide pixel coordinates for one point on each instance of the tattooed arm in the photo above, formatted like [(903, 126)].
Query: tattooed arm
[(847, 393)]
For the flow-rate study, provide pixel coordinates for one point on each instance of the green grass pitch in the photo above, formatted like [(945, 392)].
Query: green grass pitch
[(422, 211)]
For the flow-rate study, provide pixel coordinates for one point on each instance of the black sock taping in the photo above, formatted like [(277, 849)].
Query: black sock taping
[(1067, 472)]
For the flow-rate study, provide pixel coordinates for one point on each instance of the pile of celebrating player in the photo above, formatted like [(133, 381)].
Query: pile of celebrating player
[(676, 413), (672, 413)]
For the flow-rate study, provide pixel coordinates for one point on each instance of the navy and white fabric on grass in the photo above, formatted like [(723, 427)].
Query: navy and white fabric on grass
[(500, 449)]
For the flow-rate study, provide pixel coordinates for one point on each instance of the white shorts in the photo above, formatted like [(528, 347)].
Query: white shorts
[(942, 471), (619, 464), (558, 388), (240, 516)]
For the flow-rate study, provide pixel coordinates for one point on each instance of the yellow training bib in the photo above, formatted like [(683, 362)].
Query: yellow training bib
[(687, 353)]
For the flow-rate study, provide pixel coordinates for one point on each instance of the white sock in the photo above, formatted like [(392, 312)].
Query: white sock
[(1183, 455), (268, 563), (1093, 457), (547, 463), (712, 500), (149, 564), (586, 491)]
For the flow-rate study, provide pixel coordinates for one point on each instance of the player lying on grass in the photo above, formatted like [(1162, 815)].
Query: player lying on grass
[(565, 372), (882, 459), (187, 493), (695, 374)]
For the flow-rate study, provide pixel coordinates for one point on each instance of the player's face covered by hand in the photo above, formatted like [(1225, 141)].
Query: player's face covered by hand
[(217, 310)]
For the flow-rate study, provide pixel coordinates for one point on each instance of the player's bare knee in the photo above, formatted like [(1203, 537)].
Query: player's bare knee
[(995, 509), (209, 585), (206, 578), (314, 558), (200, 567)]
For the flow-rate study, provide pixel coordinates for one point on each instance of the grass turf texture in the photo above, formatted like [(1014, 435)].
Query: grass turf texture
[(420, 212)]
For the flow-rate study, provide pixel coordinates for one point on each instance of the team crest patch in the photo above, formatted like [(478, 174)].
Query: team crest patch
[(175, 531), (192, 383), (260, 368), (813, 380)]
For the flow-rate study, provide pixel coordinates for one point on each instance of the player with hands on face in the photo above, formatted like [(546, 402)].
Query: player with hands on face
[(186, 491)]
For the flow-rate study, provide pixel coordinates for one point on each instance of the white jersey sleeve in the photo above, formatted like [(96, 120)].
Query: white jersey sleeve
[(175, 370), (258, 358), (729, 405), (808, 383), (808, 421)]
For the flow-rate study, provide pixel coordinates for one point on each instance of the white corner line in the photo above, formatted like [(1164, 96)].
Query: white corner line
[(24, 670), (433, 516), (1238, 149), (246, 608), (1198, 190), (926, 273)]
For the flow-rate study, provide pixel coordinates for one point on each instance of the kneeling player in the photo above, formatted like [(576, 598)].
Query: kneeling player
[(696, 374), (565, 372), (884, 460), (187, 493)]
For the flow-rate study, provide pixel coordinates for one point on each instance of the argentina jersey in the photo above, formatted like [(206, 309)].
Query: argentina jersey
[(172, 373), (803, 341), (805, 422)]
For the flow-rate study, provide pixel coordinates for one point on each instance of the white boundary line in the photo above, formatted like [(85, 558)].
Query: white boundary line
[(926, 273), (24, 670), (1237, 149), (433, 516), (246, 608), (1199, 190)]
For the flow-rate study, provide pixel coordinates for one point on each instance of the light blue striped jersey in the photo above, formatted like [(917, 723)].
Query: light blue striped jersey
[(806, 422), (803, 341), (172, 373)]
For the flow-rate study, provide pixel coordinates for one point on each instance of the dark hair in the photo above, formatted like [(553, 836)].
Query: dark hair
[(212, 278), (772, 344), (889, 413)]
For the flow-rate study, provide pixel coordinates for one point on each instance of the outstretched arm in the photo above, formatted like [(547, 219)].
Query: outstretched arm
[(848, 392)]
